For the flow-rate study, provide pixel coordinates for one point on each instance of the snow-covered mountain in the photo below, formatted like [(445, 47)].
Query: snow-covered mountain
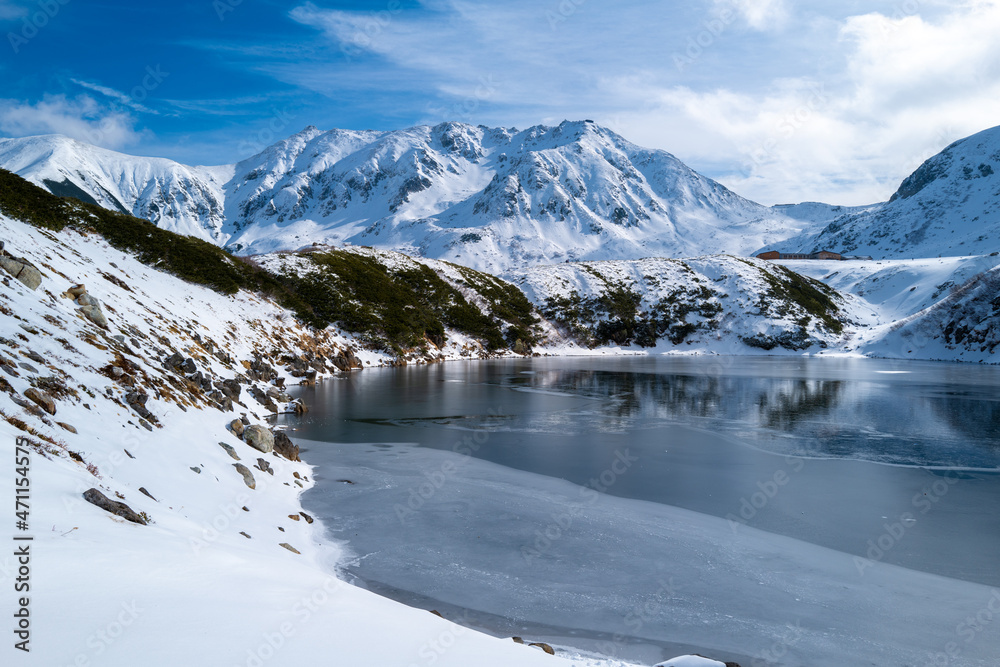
[(186, 200), (490, 198), (950, 206)]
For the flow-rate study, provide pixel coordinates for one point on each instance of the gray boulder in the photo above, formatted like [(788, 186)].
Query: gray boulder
[(46, 402), (95, 497), (259, 438), (284, 446), (22, 270), (94, 314), (247, 475)]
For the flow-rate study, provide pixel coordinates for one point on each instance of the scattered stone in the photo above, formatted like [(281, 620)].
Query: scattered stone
[(245, 508), (308, 518), (232, 389), (68, 427), (517, 640), (196, 469), (43, 400), (259, 438), (281, 529), (188, 366), (22, 270), (236, 426), (230, 451), (437, 613), (87, 300), (145, 424), (143, 491), (28, 367), (299, 483), (75, 291), (173, 361), (290, 548), (34, 356), (296, 475), (293, 517), (247, 475), (284, 446), (95, 497), (94, 314), (264, 466), (245, 535), (129, 454)]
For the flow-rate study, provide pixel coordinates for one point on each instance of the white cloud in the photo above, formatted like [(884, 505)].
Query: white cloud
[(820, 100), (758, 14), (116, 95), (80, 117)]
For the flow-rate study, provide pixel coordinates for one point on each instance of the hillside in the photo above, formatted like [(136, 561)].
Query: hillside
[(488, 198), (949, 206), (716, 303), (127, 386)]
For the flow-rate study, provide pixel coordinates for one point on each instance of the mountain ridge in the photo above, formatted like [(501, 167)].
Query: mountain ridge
[(490, 198)]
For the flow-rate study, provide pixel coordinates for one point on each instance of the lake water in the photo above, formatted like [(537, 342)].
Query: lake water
[(780, 511)]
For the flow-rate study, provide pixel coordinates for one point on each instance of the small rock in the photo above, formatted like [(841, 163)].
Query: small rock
[(245, 535), (437, 613), (247, 475), (66, 426), (196, 469), (95, 497), (188, 366), (28, 367), (264, 466), (43, 400), (145, 424), (290, 548), (143, 491), (517, 640), (236, 426), (34, 356), (75, 291), (542, 645), (230, 450), (294, 517), (259, 438), (308, 518)]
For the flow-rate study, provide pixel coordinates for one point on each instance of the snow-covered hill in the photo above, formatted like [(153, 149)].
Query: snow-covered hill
[(228, 568), (186, 200), (719, 304), (950, 206), (490, 198)]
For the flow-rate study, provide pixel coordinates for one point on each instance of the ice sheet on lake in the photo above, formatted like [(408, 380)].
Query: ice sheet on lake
[(546, 552)]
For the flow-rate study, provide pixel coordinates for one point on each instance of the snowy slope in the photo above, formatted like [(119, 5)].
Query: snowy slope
[(490, 198), (208, 580), (950, 206), (186, 200), (717, 303)]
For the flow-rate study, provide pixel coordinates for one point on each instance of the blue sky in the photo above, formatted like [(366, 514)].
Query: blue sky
[(780, 100)]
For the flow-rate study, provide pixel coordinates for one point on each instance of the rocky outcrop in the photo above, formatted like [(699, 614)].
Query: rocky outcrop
[(259, 438), (21, 269), (95, 497), (89, 306)]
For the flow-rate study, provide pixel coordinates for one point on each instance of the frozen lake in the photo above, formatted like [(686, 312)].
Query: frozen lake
[(774, 511)]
